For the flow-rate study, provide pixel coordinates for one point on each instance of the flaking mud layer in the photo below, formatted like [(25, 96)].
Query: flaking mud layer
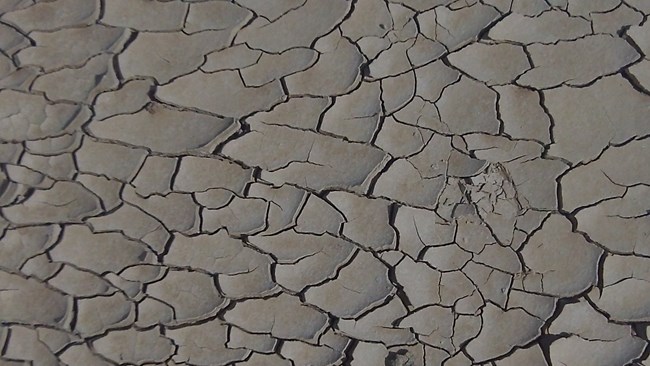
[(324, 182)]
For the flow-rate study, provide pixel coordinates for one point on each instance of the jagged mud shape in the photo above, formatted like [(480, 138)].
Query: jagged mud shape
[(324, 182)]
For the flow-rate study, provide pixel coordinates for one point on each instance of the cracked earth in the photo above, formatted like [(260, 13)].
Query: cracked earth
[(325, 182)]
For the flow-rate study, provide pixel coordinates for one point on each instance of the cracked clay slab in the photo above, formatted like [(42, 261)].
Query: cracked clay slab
[(324, 182)]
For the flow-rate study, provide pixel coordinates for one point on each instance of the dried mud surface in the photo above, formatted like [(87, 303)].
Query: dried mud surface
[(324, 182)]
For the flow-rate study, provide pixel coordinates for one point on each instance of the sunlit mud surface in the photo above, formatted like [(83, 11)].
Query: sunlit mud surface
[(324, 182)]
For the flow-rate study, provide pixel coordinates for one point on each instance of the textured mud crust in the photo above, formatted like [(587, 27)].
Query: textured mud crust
[(325, 182)]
